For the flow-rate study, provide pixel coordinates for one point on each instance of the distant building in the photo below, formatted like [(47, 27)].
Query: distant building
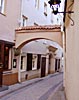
[(22, 22), (38, 12)]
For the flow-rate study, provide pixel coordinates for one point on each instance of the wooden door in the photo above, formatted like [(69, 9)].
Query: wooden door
[(43, 66)]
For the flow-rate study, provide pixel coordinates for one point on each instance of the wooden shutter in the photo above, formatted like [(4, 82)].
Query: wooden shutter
[(55, 64), (58, 63), (38, 61), (29, 61)]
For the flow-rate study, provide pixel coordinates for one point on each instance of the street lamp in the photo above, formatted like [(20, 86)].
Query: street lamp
[(55, 4)]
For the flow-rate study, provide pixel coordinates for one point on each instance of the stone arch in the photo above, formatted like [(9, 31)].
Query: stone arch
[(33, 39), (30, 33)]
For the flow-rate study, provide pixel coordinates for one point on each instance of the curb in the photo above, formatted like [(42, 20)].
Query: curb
[(57, 91), (19, 86)]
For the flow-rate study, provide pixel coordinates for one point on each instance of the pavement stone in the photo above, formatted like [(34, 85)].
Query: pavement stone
[(18, 86), (57, 95)]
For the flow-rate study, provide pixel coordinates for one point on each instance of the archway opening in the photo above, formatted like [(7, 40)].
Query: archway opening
[(39, 57)]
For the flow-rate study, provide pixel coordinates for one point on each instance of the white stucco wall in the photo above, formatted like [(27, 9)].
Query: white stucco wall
[(35, 48), (72, 57), (37, 14), (9, 22), (23, 37)]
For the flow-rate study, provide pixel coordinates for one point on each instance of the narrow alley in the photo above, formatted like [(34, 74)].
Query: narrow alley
[(35, 89)]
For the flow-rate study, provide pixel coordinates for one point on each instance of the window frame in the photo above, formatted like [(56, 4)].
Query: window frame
[(34, 62), (52, 17), (2, 6), (24, 20), (37, 4), (45, 8)]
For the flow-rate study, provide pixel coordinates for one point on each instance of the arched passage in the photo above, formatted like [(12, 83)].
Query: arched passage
[(28, 34), (35, 59), (34, 39)]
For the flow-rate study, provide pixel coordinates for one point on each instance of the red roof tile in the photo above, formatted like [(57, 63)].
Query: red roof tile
[(45, 27)]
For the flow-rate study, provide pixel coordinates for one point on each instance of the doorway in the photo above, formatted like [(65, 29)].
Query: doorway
[(43, 66), (57, 64)]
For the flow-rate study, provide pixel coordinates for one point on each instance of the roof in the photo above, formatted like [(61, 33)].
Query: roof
[(45, 27)]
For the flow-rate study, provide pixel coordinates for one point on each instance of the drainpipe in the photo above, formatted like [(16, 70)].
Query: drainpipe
[(64, 43), (19, 68), (47, 62), (19, 57)]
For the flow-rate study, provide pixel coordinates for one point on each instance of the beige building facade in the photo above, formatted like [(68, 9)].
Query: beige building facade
[(72, 50), (9, 15), (17, 28), (44, 60)]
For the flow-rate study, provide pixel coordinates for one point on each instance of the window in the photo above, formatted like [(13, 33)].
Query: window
[(34, 62), (23, 63), (2, 6), (57, 64), (45, 9), (35, 24), (37, 4), (24, 23), (14, 63), (52, 17)]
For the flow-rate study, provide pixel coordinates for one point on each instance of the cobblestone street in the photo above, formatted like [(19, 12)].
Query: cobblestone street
[(36, 89)]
